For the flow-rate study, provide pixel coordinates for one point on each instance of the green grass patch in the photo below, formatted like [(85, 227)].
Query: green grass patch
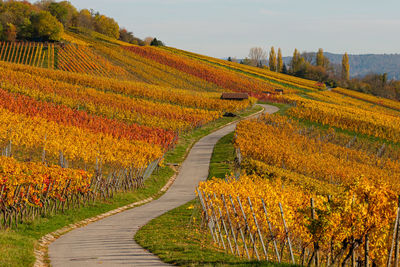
[(223, 157), (308, 123), (178, 238), (187, 140), (361, 136), (17, 245)]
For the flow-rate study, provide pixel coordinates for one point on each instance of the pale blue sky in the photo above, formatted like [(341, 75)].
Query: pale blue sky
[(223, 28)]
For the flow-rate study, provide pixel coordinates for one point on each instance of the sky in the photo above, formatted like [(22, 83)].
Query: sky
[(222, 28)]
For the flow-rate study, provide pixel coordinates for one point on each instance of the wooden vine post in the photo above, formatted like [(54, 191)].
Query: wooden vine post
[(271, 232), (316, 246), (240, 229), (394, 236), (230, 225), (287, 234), (258, 230), (248, 229), (396, 252)]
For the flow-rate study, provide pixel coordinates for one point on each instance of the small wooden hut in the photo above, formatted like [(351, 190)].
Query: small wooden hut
[(235, 96)]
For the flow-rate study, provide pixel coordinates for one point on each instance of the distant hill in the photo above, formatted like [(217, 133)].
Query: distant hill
[(360, 65)]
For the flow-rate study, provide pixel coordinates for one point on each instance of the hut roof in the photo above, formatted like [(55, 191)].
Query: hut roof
[(234, 96)]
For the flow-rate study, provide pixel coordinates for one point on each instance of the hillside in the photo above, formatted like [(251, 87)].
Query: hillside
[(85, 122)]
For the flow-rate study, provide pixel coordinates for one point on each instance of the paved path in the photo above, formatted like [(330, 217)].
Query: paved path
[(109, 242)]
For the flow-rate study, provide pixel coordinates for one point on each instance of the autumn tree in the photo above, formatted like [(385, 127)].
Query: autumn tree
[(256, 56), (297, 64), (107, 26), (18, 14), (279, 64), (47, 27), (84, 19), (126, 36), (320, 57), (148, 40), (272, 59), (345, 67), (246, 61)]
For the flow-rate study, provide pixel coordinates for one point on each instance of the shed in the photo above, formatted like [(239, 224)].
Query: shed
[(234, 96), (279, 91)]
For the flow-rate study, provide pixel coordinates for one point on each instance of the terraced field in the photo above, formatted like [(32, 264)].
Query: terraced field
[(84, 120)]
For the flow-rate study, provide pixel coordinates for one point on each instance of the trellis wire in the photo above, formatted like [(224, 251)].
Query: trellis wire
[(23, 209), (223, 232)]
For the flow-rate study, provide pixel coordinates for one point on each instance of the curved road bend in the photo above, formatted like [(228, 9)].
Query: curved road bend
[(109, 242)]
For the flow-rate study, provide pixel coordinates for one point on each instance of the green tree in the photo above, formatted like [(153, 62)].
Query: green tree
[(345, 67), (11, 32), (279, 65), (46, 27), (156, 42), (64, 11), (272, 59), (320, 57), (25, 29), (284, 69)]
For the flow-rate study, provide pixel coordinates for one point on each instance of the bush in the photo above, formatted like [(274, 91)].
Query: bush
[(47, 27)]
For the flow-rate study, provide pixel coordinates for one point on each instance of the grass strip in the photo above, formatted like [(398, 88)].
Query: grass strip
[(17, 245), (178, 238), (223, 157)]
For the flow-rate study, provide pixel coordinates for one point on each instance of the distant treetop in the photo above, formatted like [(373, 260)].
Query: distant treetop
[(156, 42)]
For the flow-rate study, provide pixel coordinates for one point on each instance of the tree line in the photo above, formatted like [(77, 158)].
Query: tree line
[(317, 67), (46, 20)]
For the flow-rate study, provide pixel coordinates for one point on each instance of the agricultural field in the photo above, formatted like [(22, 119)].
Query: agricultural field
[(315, 186), (89, 117), (76, 126)]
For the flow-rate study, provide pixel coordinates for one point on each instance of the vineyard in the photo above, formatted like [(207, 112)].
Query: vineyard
[(66, 57), (315, 187), (33, 54), (76, 128), (90, 117)]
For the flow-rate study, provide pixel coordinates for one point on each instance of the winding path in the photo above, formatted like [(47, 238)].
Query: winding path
[(109, 242)]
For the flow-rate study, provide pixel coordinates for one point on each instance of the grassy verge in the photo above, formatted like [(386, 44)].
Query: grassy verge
[(186, 141), (283, 110), (178, 238), (361, 136), (223, 156), (16, 245)]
